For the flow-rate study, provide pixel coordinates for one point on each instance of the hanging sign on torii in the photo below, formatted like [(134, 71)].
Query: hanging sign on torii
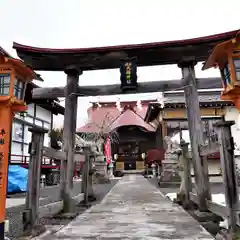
[(128, 77)]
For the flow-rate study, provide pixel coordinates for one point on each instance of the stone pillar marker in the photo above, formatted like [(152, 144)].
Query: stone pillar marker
[(171, 160), (69, 130), (153, 169), (185, 173), (196, 134), (111, 170)]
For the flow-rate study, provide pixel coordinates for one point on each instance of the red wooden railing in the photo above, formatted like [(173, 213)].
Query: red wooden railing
[(23, 160)]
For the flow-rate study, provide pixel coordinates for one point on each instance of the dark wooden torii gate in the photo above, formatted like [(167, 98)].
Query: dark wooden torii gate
[(185, 53)]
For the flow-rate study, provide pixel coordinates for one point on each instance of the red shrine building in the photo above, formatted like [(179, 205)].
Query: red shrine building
[(134, 135)]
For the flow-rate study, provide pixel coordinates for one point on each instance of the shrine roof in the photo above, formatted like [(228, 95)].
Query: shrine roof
[(130, 118), (206, 98), (51, 105), (219, 55), (6, 54), (108, 118), (147, 54), (177, 100), (124, 103)]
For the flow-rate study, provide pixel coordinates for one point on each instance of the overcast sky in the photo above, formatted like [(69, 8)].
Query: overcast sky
[(91, 23)]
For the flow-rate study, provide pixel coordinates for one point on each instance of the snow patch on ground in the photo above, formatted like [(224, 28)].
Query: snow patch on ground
[(217, 198), (172, 196)]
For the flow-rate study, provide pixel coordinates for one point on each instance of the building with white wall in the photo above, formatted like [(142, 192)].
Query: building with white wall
[(40, 113), (232, 114)]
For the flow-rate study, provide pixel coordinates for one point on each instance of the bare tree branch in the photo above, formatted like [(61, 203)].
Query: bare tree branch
[(99, 137)]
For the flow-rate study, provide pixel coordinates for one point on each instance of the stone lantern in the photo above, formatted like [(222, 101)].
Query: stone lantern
[(226, 56), (14, 76)]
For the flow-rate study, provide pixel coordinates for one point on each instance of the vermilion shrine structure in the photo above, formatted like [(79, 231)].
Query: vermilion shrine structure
[(184, 53), (140, 128), (135, 136)]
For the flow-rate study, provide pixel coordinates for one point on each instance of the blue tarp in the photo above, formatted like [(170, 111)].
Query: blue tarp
[(17, 179)]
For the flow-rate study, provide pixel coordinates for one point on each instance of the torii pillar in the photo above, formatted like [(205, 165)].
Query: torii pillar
[(69, 131), (200, 164)]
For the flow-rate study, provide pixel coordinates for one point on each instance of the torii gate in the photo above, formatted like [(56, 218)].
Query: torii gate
[(185, 53)]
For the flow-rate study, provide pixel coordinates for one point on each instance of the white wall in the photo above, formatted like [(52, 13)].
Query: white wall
[(43, 113), (213, 167), (30, 109), (232, 114), (20, 134)]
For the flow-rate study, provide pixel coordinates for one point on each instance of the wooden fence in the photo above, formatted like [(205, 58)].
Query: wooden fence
[(37, 151), (221, 141)]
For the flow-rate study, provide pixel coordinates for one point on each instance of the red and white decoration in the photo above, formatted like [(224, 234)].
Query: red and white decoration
[(107, 150)]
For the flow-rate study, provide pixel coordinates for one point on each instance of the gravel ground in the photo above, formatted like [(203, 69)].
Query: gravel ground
[(14, 214)]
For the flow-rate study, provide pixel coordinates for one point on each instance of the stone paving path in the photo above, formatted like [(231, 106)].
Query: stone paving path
[(133, 209)]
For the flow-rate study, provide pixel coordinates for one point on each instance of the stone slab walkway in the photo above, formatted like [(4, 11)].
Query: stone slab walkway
[(133, 209)]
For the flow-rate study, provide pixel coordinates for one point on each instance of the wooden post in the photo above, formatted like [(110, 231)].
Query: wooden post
[(69, 131), (180, 134), (186, 172), (229, 172), (34, 172), (196, 134), (83, 177), (90, 177), (63, 177), (159, 138), (86, 174), (164, 132)]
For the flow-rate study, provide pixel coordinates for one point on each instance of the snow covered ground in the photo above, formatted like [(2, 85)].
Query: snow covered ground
[(217, 198)]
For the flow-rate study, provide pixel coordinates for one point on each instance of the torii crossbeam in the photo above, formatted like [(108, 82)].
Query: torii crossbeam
[(114, 89)]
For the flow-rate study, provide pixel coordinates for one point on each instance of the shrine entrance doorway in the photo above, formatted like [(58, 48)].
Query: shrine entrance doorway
[(133, 141), (129, 153)]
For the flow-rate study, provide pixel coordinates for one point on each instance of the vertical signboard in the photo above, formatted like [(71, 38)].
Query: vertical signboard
[(128, 71), (5, 126), (2, 144)]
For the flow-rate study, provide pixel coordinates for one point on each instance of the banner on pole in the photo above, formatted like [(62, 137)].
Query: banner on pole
[(107, 150)]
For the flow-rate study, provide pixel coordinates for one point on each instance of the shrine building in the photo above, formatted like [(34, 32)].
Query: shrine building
[(134, 135), (142, 125), (171, 120)]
